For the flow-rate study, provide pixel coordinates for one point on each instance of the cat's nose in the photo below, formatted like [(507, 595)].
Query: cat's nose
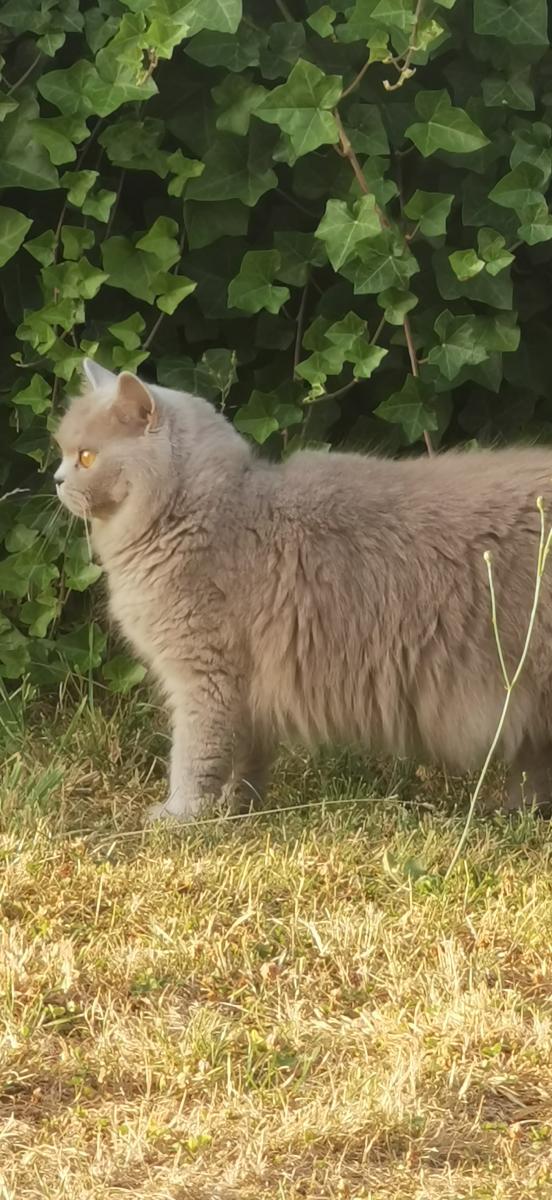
[(59, 475)]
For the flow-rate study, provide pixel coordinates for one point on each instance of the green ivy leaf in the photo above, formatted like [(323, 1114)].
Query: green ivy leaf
[(521, 22), (24, 163), (60, 135), (431, 210), (37, 395), (80, 572), (78, 184), (161, 241), (174, 289), (322, 21), (302, 107), (409, 409), (384, 262), (256, 419), (458, 345), (42, 248), (514, 91), (39, 614), (99, 204), (13, 227), (236, 52), (14, 652), (183, 169), (83, 648), (205, 223), (466, 264), (220, 15), (519, 189), (537, 226), (470, 340), (238, 100), (135, 145), (444, 127), (129, 331), (287, 44), (491, 246), (342, 230), (6, 106), (75, 240), (21, 537), (252, 288), (122, 674), (298, 251), (234, 170), (74, 280), (532, 145), (366, 360), (396, 303), (133, 270), (365, 129)]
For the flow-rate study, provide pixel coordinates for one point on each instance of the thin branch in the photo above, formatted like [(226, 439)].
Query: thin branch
[(284, 10), (415, 371), (342, 391), (25, 74), (377, 331), (405, 70), (147, 343), (300, 324), (346, 150), (358, 78), (115, 205), (494, 622), (297, 204)]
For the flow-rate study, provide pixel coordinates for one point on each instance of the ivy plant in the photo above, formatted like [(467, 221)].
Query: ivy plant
[(330, 220)]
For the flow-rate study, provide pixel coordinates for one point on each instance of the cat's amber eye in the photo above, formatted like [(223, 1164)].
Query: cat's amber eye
[(87, 458)]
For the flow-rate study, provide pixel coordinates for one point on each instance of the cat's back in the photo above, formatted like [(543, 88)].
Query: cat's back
[(463, 492)]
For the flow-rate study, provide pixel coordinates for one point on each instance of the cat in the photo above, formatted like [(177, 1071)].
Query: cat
[(330, 598)]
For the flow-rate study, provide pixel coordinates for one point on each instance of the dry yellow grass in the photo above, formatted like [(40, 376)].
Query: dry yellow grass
[(290, 1006)]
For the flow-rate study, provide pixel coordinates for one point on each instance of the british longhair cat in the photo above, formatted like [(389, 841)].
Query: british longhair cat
[(332, 598)]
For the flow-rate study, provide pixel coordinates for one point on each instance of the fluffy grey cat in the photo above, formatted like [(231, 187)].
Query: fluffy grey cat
[(330, 598)]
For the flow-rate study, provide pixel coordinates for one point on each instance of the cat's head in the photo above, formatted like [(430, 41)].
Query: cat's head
[(109, 441)]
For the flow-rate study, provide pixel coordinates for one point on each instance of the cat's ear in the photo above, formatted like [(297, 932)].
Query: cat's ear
[(97, 376), (134, 403)]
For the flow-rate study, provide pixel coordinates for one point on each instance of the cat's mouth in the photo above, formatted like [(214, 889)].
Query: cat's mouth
[(73, 501)]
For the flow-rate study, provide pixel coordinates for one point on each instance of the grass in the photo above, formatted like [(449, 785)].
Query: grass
[(293, 1005)]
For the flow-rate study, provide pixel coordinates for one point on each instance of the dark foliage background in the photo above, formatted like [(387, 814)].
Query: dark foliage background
[(330, 220)]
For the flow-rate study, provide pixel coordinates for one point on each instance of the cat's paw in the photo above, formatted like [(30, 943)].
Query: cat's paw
[(164, 812)]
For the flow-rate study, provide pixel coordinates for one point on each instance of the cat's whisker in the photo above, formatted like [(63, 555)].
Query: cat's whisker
[(88, 539)]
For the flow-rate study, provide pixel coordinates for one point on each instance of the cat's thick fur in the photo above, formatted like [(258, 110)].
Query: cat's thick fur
[(332, 598)]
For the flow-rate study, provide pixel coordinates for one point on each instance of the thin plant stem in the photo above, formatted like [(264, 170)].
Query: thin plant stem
[(415, 371), (494, 620), (544, 548), (284, 10), (300, 325), (357, 79), (25, 75), (346, 150)]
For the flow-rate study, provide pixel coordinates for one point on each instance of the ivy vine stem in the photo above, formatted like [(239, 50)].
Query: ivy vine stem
[(346, 150)]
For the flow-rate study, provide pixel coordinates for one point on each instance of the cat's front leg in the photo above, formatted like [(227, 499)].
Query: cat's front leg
[(202, 756)]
